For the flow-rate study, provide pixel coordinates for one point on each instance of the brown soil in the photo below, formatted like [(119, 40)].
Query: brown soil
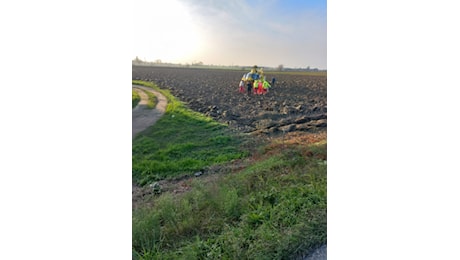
[(295, 109), (296, 103)]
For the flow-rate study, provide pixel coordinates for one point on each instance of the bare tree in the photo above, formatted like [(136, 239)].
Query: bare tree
[(280, 67)]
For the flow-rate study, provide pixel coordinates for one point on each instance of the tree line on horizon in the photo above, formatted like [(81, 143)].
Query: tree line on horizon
[(159, 62)]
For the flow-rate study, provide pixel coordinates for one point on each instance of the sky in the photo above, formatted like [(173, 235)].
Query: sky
[(391, 64), (238, 32)]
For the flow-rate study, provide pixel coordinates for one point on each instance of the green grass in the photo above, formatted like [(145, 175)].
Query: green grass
[(151, 103), (273, 209), (180, 143), (152, 100), (136, 98)]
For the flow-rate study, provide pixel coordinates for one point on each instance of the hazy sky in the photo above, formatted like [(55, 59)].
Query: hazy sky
[(232, 32)]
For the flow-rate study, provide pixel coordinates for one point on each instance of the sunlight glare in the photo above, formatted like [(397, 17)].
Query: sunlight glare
[(165, 30)]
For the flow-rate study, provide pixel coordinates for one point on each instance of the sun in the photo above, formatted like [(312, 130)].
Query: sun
[(165, 30)]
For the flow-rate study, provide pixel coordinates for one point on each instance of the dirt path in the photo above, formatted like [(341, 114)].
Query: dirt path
[(143, 116)]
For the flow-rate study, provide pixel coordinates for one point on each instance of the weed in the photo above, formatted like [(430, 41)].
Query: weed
[(180, 143), (136, 98), (273, 209)]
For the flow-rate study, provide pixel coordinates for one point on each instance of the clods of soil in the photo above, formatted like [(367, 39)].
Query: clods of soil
[(295, 103)]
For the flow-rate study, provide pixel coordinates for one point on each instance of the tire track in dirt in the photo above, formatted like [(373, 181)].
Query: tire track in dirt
[(143, 116)]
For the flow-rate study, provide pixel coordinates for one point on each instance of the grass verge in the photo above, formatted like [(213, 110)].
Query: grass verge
[(152, 102), (180, 143), (273, 209), (136, 98)]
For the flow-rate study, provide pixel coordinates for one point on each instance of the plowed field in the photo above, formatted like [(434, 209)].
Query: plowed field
[(297, 101)]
